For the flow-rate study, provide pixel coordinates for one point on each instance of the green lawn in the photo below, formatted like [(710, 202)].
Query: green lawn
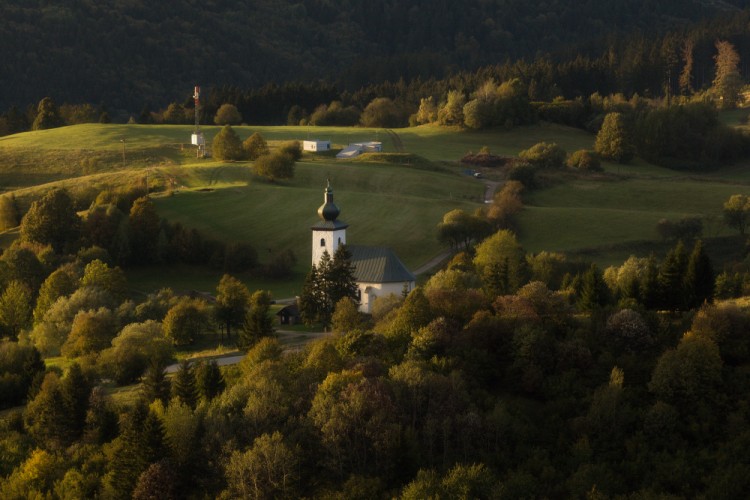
[(385, 203)]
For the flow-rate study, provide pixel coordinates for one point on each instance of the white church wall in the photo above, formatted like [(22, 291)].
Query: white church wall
[(326, 240), (371, 291)]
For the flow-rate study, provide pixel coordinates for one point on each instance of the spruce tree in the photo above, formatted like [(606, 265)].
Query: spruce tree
[(649, 284), (76, 390), (184, 386), (699, 277), (594, 293), (309, 300), (671, 279), (209, 380), (155, 384), (344, 283), (258, 322), (128, 457)]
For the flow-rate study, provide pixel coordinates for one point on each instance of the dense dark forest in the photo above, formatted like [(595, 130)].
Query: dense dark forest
[(127, 53)]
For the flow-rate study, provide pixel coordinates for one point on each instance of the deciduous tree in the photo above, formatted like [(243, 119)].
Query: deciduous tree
[(15, 309), (737, 212), (228, 114), (614, 140), (52, 220), (232, 303)]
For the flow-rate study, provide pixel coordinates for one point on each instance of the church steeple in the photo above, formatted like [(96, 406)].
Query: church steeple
[(328, 233), (328, 210)]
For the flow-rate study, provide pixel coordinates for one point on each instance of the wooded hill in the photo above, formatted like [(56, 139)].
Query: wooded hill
[(129, 52)]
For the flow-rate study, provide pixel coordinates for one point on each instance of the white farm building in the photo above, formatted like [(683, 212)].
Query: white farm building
[(315, 146), (357, 148), (378, 270)]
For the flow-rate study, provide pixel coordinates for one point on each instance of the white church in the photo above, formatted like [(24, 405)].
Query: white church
[(378, 271)]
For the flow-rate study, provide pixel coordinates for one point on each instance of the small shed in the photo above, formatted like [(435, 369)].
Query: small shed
[(316, 145), (288, 315)]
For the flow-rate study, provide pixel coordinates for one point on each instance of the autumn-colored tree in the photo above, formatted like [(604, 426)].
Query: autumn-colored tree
[(727, 82), (686, 76), (614, 140)]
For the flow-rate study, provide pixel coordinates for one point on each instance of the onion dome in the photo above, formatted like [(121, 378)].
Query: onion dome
[(328, 211)]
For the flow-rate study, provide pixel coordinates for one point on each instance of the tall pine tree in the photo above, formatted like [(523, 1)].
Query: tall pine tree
[(184, 386), (671, 279), (699, 277)]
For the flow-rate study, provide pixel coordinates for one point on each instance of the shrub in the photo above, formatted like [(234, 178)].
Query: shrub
[(584, 160), (227, 144), (255, 146), (523, 173), (544, 155), (292, 148)]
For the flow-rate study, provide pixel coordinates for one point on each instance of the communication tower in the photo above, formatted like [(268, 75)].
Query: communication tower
[(197, 138)]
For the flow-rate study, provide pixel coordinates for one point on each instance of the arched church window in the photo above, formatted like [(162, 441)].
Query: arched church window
[(322, 242)]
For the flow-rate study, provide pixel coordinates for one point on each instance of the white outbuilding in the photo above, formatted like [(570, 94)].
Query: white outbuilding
[(316, 145)]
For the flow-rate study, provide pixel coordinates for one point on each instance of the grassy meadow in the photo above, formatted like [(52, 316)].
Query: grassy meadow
[(385, 202)]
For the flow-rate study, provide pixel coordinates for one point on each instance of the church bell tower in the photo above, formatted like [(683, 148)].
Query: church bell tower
[(328, 233)]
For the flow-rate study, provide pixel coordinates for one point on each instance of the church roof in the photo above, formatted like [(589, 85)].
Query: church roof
[(378, 265), (329, 225)]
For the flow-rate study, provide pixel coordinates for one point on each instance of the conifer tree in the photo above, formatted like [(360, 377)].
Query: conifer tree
[(76, 389), (227, 144), (209, 380), (594, 292), (128, 455), (155, 384), (699, 277), (184, 386), (326, 284), (671, 278), (258, 322), (649, 284)]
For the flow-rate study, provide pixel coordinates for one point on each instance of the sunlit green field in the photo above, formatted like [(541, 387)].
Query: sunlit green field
[(385, 203)]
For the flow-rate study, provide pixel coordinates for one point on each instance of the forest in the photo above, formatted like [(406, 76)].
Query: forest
[(125, 54)]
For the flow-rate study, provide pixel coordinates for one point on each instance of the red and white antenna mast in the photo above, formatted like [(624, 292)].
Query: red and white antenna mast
[(198, 139)]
